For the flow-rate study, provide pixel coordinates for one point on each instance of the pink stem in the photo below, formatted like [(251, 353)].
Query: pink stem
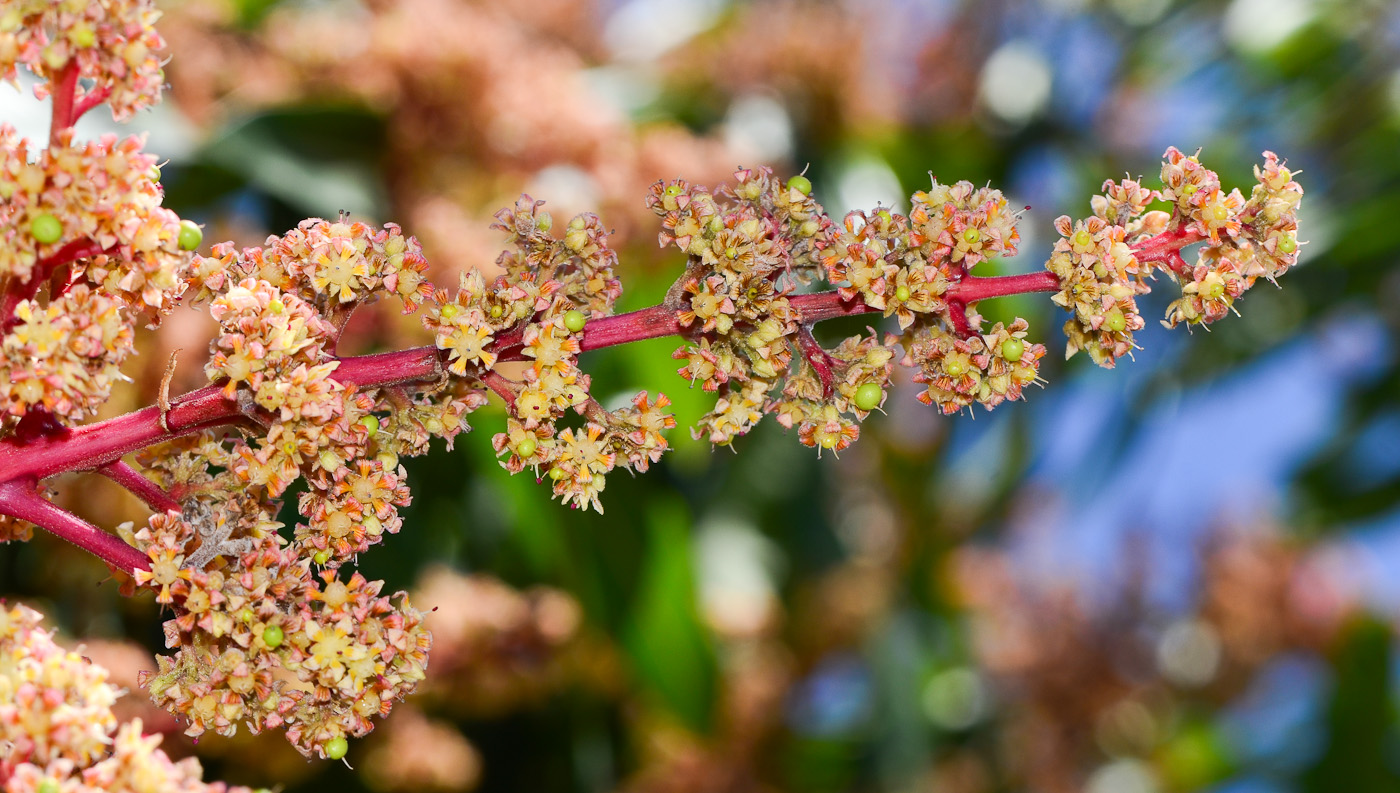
[(957, 314), (141, 487), (1165, 249), (498, 383), (92, 446), (65, 91), (19, 498), (43, 269), (817, 357), (89, 101)]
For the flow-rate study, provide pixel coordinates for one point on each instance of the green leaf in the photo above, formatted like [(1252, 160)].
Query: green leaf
[(665, 639)]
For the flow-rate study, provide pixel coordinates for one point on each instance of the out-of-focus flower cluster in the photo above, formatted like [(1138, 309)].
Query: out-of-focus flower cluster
[(495, 648), (1079, 691), (109, 47), (57, 730)]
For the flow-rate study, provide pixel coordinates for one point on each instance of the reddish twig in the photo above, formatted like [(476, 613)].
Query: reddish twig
[(817, 357), (65, 94), (44, 269), (89, 101), (497, 382), (141, 487), (19, 498), (1165, 249), (25, 459), (957, 314)]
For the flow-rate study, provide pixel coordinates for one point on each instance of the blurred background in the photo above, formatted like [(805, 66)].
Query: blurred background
[(1181, 575)]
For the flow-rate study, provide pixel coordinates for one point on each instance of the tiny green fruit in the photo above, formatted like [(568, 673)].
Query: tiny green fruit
[(83, 36), (557, 473), (575, 320), (190, 235), (1082, 238), (46, 229), (272, 636), (1287, 244), (448, 311), (336, 748), (320, 557), (371, 425), (901, 293), (526, 447), (972, 235), (48, 786), (801, 184), (869, 396), (1013, 349), (1115, 320)]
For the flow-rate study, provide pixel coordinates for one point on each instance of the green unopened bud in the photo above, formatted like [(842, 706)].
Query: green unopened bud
[(190, 235), (371, 425), (336, 748), (82, 35), (46, 229), (329, 460), (544, 221), (869, 396), (388, 459)]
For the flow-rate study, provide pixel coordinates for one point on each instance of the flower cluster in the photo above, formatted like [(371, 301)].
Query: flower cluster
[(1100, 278), (249, 605), (986, 369), (242, 627), (57, 726), (268, 630), (87, 220), (108, 47), (1102, 263)]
